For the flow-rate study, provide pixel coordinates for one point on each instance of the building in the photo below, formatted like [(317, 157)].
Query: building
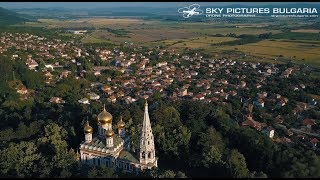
[(93, 96), (57, 100), (113, 150), (269, 131), (309, 122), (84, 101)]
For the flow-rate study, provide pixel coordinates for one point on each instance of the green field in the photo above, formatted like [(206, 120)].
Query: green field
[(298, 51)]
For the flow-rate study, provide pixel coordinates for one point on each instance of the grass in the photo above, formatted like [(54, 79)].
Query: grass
[(306, 30), (238, 31), (272, 49), (297, 36), (197, 42)]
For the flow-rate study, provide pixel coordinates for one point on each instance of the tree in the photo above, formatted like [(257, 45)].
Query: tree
[(237, 164), (61, 160), (181, 175), (211, 156), (19, 159), (255, 174), (167, 174), (211, 146), (102, 172), (171, 134)]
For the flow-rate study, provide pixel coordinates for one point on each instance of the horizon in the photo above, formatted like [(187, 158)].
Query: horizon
[(94, 5)]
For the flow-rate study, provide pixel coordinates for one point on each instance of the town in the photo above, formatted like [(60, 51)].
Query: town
[(132, 75)]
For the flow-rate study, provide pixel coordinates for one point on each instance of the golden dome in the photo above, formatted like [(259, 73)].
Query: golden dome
[(88, 128), (121, 124), (109, 133), (104, 117)]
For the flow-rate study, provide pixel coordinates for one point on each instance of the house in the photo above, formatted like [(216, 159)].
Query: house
[(84, 101), (269, 131), (262, 95), (112, 99), (129, 99), (109, 92), (22, 90), (233, 93), (309, 122), (286, 141), (281, 102), (65, 73), (120, 94), (57, 100), (97, 73), (198, 97), (105, 88), (193, 73), (183, 92), (313, 102), (32, 65), (259, 103), (279, 119), (93, 96), (297, 109), (252, 123), (314, 142), (258, 86), (243, 84), (224, 81), (302, 86), (49, 66), (302, 105)]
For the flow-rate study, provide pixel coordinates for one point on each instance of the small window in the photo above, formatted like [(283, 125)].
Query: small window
[(148, 142)]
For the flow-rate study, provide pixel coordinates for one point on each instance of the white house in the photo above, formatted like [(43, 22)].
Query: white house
[(269, 131), (84, 101), (94, 96)]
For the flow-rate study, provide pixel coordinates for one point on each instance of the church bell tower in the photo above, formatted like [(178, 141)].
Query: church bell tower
[(147, 149)]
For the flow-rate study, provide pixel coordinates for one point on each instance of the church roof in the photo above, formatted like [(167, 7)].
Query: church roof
[(97, 143), (126, 155)]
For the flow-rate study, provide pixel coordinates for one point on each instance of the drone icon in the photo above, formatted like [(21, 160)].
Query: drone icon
[(190, 11)]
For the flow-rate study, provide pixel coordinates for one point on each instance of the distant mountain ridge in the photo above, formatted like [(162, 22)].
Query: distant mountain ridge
[(8, 17)]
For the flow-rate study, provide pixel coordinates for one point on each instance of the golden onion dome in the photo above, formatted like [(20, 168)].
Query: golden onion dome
[(121, 124), (88, 128), (109, 133), (104, 117)]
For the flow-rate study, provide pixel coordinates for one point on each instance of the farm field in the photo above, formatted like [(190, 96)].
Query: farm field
[(197, 42), (238, 31), (307, 30), (298, 51)]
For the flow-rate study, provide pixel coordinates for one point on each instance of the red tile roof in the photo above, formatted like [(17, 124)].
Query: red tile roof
[(308, 121)]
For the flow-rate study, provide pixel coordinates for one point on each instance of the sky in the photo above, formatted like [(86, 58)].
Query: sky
[(90, 5)]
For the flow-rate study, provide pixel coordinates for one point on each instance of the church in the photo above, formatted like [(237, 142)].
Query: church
[(113, 150)]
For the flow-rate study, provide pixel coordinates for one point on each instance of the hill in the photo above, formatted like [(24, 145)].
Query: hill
[(8, 17)]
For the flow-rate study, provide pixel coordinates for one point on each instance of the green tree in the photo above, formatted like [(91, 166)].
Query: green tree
[(19, 159), (102, 172), (236, 163), (172, 135)]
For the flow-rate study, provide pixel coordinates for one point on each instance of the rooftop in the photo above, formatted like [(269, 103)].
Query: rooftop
[(126, 155)]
